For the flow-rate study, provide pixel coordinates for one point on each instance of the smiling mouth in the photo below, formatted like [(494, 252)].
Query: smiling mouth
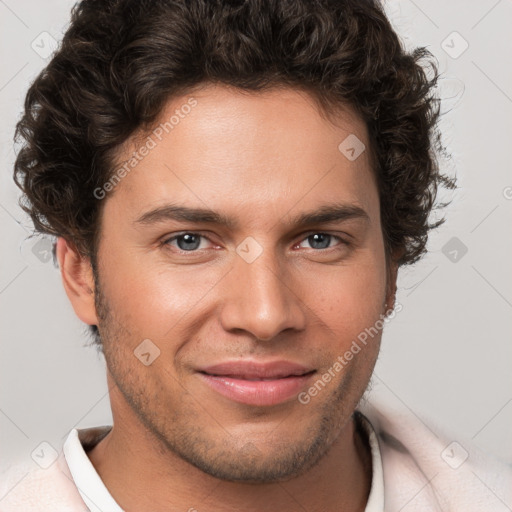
[(257, 390), (244, 377)]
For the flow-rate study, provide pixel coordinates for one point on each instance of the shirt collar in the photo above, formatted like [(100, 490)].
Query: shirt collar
[(376, 497), (89, 484)]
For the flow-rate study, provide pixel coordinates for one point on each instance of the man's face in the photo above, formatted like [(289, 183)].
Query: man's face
[(262, 290)]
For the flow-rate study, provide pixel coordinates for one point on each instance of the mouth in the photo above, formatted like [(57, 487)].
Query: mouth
[(257, 384)]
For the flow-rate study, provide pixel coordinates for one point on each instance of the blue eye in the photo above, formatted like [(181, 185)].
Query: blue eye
[(187, 242), (321, 240)]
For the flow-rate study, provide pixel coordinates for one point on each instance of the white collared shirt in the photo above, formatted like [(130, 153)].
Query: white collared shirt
[(413, 469)]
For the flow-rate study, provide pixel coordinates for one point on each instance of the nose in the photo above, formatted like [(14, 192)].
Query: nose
[(261, 299)]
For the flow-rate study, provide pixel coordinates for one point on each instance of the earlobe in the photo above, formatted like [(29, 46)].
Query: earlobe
[(390, 298), (78, 280), (391, 284)]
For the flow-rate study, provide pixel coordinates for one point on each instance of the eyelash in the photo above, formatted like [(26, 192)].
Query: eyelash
[(166, 242)]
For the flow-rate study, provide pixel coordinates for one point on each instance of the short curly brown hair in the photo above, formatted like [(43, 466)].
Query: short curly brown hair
[(120, 61)]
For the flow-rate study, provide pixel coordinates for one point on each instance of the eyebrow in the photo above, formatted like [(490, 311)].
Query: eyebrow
[(327, 213)]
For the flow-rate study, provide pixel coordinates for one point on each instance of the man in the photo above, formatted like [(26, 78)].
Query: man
[(234, 186)]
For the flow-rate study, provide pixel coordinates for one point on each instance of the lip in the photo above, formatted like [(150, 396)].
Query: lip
[(255, 383)]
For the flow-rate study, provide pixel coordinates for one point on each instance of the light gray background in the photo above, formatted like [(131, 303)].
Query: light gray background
[(446, 355)]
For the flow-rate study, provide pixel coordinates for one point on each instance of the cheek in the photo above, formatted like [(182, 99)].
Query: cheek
[(351, 297), (350, 308), (151, 297)]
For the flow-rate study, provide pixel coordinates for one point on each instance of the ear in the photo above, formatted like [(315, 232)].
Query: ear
[(392, 276), (78, 281)]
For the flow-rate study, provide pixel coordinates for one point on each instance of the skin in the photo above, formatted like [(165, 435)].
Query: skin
[(176, 444)]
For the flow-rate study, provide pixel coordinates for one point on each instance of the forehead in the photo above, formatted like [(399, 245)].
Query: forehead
[(221, 147)]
